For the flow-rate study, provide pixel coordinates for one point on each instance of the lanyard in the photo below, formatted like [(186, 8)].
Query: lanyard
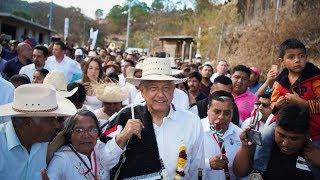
[(89, 169), (223, 153), (221, 145)]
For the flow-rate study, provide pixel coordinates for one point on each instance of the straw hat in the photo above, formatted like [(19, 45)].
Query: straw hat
[(156, 69), (111, 92), (57, 79), (37, 100)]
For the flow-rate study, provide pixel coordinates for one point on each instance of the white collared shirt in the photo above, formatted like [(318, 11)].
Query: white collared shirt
[(180, 99), (133, 93), (232, 144), (68, 66), (15, 161), (180, 127), (7, 90), (29, 70), (66, 165), (93, 102)]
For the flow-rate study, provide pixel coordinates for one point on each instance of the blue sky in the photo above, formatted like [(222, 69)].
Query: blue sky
[(88, 7)]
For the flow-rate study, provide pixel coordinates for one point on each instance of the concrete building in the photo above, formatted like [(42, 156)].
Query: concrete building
[(178, 46), (17, 28)]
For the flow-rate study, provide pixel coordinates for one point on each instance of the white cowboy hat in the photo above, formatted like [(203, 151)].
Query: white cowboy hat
[(57, 79), (176, 71), (139, 65), (37, 100), (156, 69), (111, 92)]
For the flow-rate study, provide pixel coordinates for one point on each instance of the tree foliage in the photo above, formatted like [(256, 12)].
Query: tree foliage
[(157, 5), (22, 13), (99, 14)]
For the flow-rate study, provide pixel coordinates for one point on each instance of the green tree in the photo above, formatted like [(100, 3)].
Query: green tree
[(99, 13), (117, 16), (157, 5)]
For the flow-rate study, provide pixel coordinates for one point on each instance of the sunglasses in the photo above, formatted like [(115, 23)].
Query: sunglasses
[(265, 105)]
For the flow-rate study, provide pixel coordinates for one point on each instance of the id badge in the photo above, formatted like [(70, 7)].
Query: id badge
[(302, 164)]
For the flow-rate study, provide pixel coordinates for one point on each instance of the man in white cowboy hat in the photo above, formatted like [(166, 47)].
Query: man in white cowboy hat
[(167, 141), (57, 80), (180, 98), (24, 140), (111, 95)]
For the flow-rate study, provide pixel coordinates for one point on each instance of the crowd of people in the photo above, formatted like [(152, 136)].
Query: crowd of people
[(75, 113)]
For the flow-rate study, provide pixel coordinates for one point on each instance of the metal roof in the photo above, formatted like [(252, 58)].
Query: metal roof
[(24, 21)]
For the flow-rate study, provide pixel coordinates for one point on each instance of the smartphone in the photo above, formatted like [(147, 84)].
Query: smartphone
[(274, 68), (255, 136)]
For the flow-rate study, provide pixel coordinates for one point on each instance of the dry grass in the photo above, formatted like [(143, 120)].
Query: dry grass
[(256, 44)]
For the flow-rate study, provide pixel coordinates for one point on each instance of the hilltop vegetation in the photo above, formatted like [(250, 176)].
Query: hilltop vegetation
[(252, 42)]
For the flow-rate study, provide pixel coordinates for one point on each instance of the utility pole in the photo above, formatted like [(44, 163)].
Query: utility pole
[(50, 14), (128, 24), (276, 21), (220, 42)]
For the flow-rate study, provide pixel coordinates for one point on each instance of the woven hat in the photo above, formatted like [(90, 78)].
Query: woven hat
[(156, 69), (111, 92), (57, 80), (37, 100)]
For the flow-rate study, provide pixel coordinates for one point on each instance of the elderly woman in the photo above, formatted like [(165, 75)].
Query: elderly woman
[(84, 156)]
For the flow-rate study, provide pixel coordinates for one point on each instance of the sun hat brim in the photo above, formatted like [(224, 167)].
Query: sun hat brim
[(65, 108), (67, 93), (156, 77)]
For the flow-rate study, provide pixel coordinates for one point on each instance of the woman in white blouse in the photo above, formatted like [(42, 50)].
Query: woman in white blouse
[(84, 156), (92, 73)]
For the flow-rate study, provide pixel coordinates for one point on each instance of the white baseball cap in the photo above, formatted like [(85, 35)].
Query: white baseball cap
[(78, 52)]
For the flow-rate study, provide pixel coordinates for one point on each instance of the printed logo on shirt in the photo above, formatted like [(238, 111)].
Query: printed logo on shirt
[(302, 164)]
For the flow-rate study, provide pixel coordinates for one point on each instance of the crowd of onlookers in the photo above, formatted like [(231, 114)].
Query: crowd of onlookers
[(283, 110)]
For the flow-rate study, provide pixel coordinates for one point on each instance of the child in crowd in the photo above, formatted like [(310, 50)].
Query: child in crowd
[(299, 82)]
